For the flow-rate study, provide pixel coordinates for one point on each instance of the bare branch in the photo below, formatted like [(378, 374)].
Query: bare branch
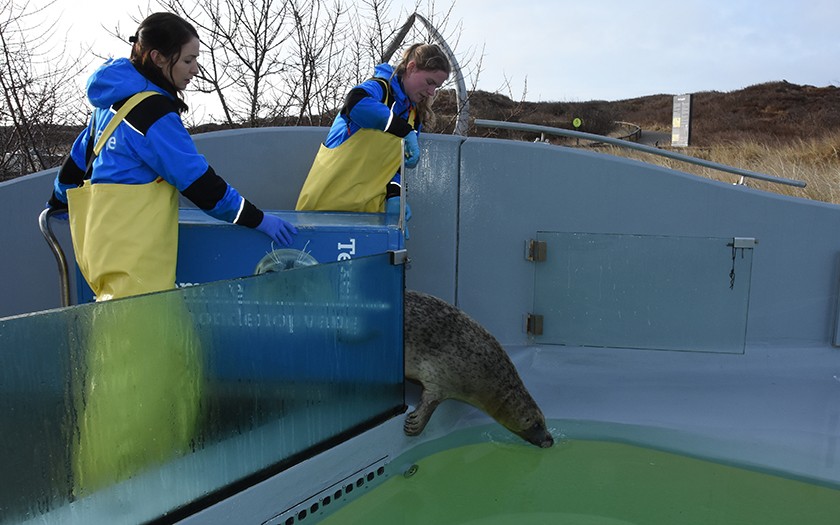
[(38, 90)]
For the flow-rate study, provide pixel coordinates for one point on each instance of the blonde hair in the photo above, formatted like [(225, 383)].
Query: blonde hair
[(427, 57)]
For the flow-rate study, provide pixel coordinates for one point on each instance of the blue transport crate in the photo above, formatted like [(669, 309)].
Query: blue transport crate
[(213, 250)]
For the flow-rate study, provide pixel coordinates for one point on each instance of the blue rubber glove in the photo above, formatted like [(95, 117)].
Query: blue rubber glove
[(279, 230), (392, 207), (412, 150)]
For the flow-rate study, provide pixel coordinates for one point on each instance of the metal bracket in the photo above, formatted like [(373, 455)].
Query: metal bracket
[(744, 242), (535, 251), (534, 324), (398, 257), (739, 243)]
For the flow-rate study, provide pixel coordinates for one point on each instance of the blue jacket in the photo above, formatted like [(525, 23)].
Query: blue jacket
[(364, 108), (151, 142)]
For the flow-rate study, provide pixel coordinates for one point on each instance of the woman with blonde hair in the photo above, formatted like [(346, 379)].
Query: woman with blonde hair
[(357, 167)]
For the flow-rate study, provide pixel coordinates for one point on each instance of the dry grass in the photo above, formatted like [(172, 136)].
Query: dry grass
[(775, 128), (815, 161)]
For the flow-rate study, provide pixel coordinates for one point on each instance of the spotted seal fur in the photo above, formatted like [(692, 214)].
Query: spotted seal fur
[(453, 357)]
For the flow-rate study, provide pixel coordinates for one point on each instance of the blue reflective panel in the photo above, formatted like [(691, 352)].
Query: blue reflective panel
[(136, 407), (638, 291)]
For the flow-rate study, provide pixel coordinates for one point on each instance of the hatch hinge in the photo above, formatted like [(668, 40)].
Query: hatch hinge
[(535, 251), (534, 324)]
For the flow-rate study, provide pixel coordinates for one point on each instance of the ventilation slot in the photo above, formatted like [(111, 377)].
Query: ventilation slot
[(332, 496)]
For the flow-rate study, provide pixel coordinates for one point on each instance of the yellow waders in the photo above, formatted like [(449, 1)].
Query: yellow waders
[(140, 376), (353, 175), (125, 237)]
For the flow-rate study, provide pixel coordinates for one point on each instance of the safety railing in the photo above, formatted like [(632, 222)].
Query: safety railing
[(633, 135), (519, 126)]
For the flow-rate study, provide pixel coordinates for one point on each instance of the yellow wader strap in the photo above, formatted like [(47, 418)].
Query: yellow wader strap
[(121, 113), (388, 100)]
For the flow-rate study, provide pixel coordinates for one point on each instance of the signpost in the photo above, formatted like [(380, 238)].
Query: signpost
[(681, 126)]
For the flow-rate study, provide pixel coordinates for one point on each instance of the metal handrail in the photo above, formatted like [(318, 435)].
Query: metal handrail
[(60, 259), (634, 135), (520, 126)]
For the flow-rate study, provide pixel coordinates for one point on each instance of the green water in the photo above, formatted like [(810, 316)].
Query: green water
[(585, 483)]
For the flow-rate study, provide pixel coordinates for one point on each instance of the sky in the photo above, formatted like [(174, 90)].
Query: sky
[(575, 51)]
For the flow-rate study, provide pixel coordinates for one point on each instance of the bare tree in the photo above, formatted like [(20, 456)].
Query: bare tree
[(244, 43), (273, 62), (315, 55), (39, 92), (265, 62)]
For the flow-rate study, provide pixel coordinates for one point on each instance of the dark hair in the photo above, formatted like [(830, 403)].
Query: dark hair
[(427, 57), (166, 32)]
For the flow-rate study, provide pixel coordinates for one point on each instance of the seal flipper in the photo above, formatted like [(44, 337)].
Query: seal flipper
[(416, 421)]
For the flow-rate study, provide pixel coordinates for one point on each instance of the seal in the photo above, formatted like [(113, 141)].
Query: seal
[(454, 357)]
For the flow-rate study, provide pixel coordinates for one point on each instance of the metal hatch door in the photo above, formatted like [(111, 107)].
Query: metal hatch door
[(641, 291)]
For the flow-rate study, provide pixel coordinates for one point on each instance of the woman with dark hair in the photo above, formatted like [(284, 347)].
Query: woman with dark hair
[(357, 166), (138, 377), (123, 197)]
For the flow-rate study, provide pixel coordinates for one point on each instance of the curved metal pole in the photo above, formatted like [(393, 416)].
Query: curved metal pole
[(463, 103), (397, 40), (520, 126), (52, 241), (462, 124)]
